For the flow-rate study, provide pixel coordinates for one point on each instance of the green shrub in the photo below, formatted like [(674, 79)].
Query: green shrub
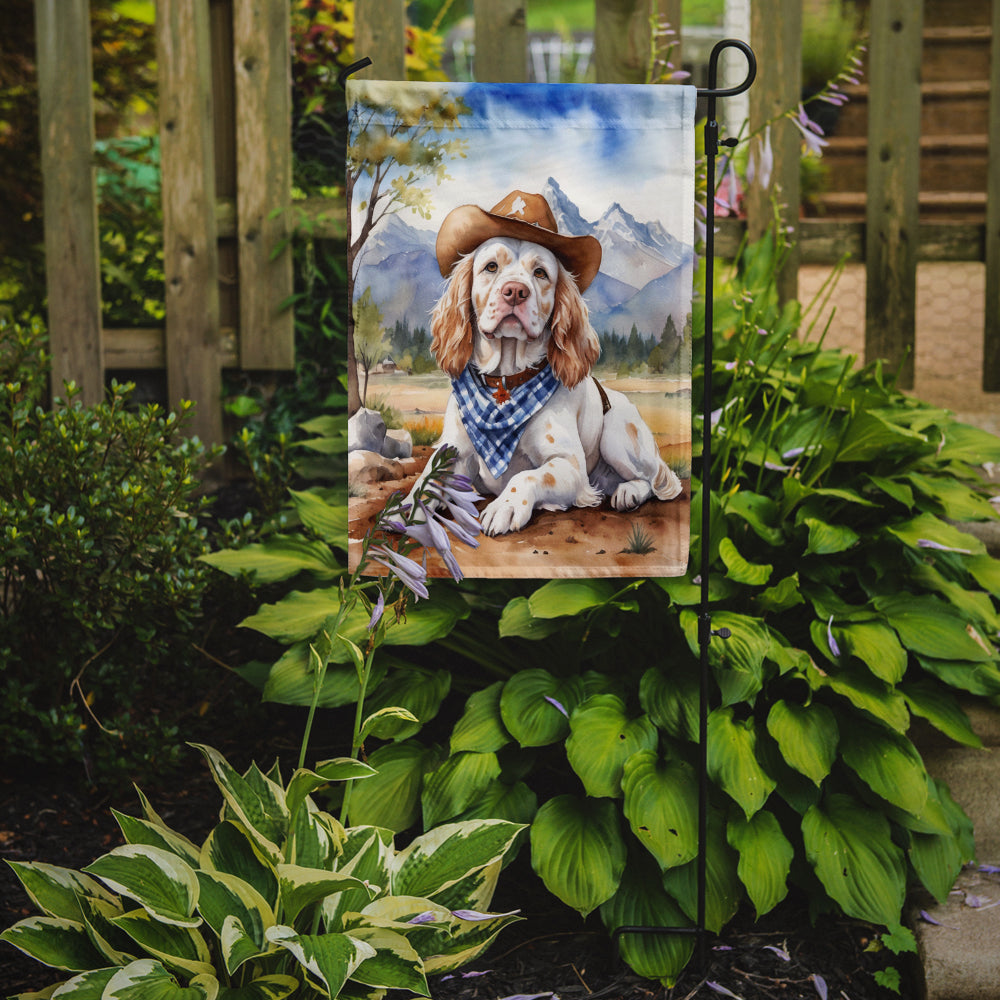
[(101, 584), (279, 900)]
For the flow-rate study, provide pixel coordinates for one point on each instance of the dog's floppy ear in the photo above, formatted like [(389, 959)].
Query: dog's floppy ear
[(573, 347), (451, 321)]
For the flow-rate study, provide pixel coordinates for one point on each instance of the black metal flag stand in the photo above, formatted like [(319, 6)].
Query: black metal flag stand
[(705, 631)]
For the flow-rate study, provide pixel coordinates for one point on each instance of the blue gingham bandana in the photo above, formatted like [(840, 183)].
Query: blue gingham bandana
[(495, 429)]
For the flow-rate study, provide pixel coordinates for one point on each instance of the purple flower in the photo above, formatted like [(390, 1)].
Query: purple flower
[(780, 952), (558, 705), (927, 543), (427, 917), (719, 988), (811, 132), (834, 648), (761, 164), (475, 915), (820, 983), (377, 612), (410, 573)]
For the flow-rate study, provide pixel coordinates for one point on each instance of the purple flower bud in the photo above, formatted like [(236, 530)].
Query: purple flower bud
[(834, 648), (427, 917), (558, 705), (377, 612)]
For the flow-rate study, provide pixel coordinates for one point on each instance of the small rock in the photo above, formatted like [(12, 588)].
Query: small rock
[(366, 431), (397, 444), (370, 467)]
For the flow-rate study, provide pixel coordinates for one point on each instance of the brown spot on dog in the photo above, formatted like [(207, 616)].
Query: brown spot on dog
[(633, 434), (550, 439), (548, 480)]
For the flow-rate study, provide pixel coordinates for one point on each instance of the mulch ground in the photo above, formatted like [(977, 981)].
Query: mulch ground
[(550, 953)]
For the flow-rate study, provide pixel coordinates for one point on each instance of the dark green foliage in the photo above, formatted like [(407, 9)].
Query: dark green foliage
[(101, 587)]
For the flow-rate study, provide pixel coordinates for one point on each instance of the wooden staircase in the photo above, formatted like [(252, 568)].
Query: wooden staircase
[(955, 89)]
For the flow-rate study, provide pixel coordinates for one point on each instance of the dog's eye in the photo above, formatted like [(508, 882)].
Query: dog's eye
[(492, 267), (540, 272)]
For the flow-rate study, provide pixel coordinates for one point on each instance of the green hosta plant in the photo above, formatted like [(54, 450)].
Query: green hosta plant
[(279, 900)]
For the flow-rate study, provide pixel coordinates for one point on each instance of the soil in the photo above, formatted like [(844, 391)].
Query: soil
[(552, 952)]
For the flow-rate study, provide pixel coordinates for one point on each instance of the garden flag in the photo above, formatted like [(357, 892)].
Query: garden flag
[(520, 270)]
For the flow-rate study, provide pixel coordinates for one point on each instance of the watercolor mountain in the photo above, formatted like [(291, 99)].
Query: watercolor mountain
[(645, 273)]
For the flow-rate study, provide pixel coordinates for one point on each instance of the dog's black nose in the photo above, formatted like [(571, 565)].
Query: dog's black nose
[(514, 293)]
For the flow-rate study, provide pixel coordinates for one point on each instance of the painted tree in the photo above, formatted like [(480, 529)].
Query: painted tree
[(393, 148), (369, 338)]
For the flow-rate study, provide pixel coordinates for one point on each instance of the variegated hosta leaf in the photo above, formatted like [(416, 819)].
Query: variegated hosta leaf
[(366, 855), (301, 887), (230, 849), (732, 760), (476, 890), (661, 805), (158, 880), (602, 737), (56, 891), (578, 851), (723, 889), (141, 831), (275, 987), (642, 902), (850, 847), (328, 959), (765, 858), (99, 915), (304, 782), (441, 857), (888, 763), (315, 838), (177, 947), (54, 941), (395, 964), (149, 980), (256, 801), (481, 727), (86, 986), (456, 784), (807, 736), (225, 897), (466, 941), (535, 706)]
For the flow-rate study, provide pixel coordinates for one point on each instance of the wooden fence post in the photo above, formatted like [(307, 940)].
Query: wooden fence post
[(991, 332), (776, 34), (893, 183), (262, 61), (190, 251), (621, 40), (380, 34), (501, 38), (72, 255)]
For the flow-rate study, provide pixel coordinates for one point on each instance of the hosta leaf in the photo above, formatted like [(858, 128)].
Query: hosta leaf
[(986, 571), (965, 443), (54, 941), (291, 680), (760, 512), (723, 889), (671, 700), (180, 948), (739, 569), (366, 855), (417, 690), (395, 964), (866, 692), (535, 706), (327, 520), (391, 798), (850, 848), (466, 941), (807, 736), (976, 678), (225, 897), (641, 901), (888, 763), (661, 799), (937, 858), (275, 987), (141, 831), (330, 959), (279, 558), (98, 916), (559, 598), (732, 760), (828, 539), (785, 594), (516, 803), (931, 628), (260, 809), (56, 891), (159, 881), (230, 849), (876, 646), (765, 858), (441, 857), (304, 782), (941, 709), (957, 501), (147, 979), (301, 887), (87, 986), (481, 728), (870, 435), (738, 661), (387, 723), (928, 528), (517, 620), (456, 784), (578, 851), (602, 738)]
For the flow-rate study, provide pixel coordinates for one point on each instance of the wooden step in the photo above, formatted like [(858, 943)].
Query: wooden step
[(946, 12), (958, 206), (956, 53), (947, 162)]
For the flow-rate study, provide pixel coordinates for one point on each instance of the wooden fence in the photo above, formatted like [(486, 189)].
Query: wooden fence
[(226, 161)]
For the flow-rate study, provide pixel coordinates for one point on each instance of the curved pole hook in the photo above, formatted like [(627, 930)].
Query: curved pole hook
[(348, 70), (713, 69)]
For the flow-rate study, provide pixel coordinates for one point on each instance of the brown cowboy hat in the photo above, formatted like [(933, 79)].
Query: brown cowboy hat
[(525, 217)]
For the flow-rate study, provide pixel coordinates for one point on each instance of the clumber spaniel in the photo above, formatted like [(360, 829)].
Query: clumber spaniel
[(511, 329)]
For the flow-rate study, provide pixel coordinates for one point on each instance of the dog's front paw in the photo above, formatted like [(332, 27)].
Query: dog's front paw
[(506, 513), (630, 495)]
